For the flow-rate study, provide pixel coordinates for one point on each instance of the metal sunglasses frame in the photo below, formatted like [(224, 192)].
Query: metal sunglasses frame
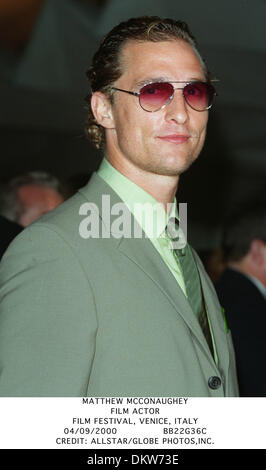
[(134, 93)]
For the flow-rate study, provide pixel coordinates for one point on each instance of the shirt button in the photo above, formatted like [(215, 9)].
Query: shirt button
[(214, 382)]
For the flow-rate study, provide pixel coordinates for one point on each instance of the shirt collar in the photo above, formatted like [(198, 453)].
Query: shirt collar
[(148, 212)]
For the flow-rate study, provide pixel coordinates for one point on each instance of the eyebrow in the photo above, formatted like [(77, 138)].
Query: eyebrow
[(151, 79), (165, 79)]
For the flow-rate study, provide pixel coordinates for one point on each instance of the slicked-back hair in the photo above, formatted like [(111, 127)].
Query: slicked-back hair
[(107, 68)]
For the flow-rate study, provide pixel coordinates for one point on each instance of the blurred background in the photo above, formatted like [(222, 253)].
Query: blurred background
[(46, 47)]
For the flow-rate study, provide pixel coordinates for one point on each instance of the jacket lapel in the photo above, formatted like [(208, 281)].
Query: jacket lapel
[(215, 315), (145, 256)]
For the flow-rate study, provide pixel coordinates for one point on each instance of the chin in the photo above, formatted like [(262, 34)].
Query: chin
[(168, 171), (178, 166)]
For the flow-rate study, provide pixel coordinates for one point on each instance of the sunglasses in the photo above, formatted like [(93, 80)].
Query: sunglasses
[(156, 95)]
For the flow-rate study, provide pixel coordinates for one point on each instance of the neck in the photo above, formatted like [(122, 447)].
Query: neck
[(161, 187)]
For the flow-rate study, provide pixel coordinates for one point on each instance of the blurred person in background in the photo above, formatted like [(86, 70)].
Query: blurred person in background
[(242, 293), (27, 197)]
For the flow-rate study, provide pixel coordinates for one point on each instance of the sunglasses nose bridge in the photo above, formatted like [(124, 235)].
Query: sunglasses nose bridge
[(177, 95), (177, 108)]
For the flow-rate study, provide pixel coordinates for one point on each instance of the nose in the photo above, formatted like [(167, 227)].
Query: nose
[(177, 108)]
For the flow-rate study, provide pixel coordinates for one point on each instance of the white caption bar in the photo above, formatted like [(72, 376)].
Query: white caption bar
[(148, 422)]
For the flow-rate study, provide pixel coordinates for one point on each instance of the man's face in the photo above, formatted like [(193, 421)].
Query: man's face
[(167, 141)]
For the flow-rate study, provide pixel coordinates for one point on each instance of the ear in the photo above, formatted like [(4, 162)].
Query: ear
[(102, 110)]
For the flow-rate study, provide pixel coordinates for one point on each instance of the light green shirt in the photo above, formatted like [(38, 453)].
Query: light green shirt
[(148, 212)]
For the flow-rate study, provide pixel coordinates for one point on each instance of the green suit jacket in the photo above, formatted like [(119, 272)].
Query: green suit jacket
[(102, 316)]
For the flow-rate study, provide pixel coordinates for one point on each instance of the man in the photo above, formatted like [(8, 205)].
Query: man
[(8, 230), (113, 314), (29, 196), (242, 292)]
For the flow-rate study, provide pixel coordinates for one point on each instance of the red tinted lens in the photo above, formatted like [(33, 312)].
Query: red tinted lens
[(153, 96), (199, 95)]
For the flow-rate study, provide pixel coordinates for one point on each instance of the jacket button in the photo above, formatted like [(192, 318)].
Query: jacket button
[(214, 382)]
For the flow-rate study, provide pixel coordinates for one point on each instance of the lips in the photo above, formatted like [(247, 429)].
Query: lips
[(175, 138)]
